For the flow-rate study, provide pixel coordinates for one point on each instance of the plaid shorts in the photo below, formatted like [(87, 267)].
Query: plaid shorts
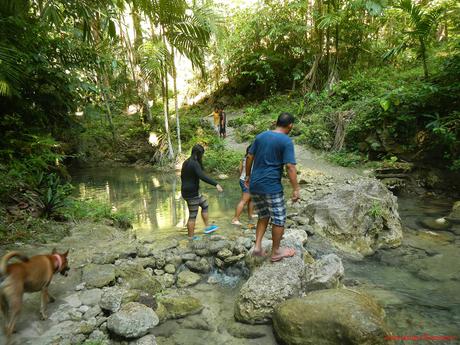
[(270, 206), (194, 204)]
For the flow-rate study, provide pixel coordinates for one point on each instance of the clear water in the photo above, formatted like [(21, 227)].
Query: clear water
[(155, 199), (418, 284)]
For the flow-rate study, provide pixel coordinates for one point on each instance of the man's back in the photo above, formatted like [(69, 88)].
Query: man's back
[(271, 151)]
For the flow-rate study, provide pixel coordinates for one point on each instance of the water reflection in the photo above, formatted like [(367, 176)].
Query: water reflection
[(153, 198)]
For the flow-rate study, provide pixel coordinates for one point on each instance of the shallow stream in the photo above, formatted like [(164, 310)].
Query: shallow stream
[(418, 284)]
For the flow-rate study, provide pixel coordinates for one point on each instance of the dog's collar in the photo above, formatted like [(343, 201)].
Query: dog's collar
[(58, 261)]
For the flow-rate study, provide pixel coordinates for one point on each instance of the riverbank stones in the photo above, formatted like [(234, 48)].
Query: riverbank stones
[(97, 276), (187, 278)]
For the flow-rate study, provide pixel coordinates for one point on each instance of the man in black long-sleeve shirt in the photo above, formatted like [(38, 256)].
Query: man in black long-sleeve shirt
[(191, 174)]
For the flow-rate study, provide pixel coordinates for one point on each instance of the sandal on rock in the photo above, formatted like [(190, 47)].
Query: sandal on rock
[(236, 222), (285, 253)]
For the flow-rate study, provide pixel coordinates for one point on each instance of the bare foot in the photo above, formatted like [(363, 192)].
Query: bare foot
[(283, 253)]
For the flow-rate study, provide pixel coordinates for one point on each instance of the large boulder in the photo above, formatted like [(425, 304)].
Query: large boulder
[(330, 317), (133, 320), (325, 273), (359, 217), (270, 285)]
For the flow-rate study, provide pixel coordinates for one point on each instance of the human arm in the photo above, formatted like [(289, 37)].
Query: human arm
[(292, 175), (249, 161), (200, 173), (240, 168), (290, 162)]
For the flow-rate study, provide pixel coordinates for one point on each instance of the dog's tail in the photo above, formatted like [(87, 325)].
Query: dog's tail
[(7, 257)]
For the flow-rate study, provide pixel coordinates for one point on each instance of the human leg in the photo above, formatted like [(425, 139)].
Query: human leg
[(240, 208), (277, 210), (204, 210), (261, 207), (192, 204)]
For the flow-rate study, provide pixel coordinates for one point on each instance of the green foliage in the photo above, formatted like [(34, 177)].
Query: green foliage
[(49, 195), (221, 160), (346, 159), (95, 210), (376, 210)]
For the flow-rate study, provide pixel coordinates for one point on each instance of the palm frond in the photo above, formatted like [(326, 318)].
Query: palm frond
[(154, 57)]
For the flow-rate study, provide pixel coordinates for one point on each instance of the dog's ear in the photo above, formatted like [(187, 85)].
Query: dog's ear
[(54, 251), (66, 253)]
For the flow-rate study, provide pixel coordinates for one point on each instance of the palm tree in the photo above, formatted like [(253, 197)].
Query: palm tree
[(180, 28), (423, 22)]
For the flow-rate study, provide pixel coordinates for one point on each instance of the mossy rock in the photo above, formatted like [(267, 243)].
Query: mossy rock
[(179, 306)]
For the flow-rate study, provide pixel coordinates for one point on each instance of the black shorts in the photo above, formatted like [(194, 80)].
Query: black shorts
[(194, 204)]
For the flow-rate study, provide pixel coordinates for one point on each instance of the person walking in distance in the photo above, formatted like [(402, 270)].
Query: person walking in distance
[(222, 123), (191, 174), (270, 152)]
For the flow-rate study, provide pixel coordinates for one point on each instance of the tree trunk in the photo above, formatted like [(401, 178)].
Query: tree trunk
[(423, 55), (176, 103), (164, 85)]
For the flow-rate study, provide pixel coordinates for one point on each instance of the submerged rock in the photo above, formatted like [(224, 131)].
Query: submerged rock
[(187, 278), (330, 317), (359, 217), (270, 285), (180, 306)]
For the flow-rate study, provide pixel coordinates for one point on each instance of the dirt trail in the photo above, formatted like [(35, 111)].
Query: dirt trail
[(306, 158)]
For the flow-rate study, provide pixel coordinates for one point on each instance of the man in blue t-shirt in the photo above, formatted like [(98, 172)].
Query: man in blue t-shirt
[(271, 151)]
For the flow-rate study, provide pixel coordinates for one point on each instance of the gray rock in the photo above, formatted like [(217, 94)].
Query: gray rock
[(216, 246), (330, 317), (83, 309), (133, 320), (201, 266), (91, 297), (167, 280), (135, 277), (98, 335), (73, 300), (269, 285), (244, 241), (147, 262), (234, 259), (88, 326), (188, 256), (92, 312), (158, 272), (224, 253), (187, 278), (170, 268), (145, 340), (108, 257), (112, 298), (239, 330), (98, 276), (325, 273), (359, 217)]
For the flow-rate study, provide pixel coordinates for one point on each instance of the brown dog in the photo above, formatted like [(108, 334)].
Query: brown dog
[(31, 275)]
